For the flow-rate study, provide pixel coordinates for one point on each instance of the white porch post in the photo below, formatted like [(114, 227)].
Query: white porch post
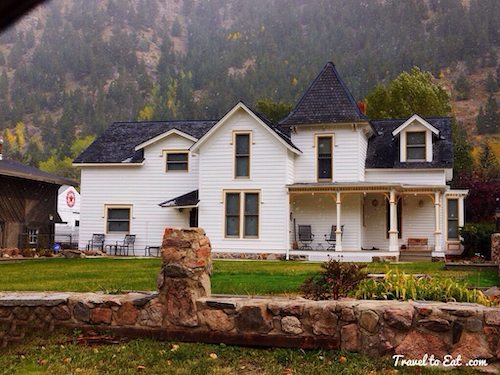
[(393, 216), (437, 233), (288, 217), (461, 211), (338, 232)]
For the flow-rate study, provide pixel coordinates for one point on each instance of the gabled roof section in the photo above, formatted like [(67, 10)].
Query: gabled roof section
[(410, 121), (327, 100), (15, 169), (383, 147), (117, 145), (163, 136), (186, 200), (273, 130)]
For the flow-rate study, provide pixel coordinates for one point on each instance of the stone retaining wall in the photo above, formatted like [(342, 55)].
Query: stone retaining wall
[(184, 310)]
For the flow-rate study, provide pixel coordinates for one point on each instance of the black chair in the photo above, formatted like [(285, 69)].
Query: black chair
[(305, 237), (126, 245), (96, 242), (332, 239)]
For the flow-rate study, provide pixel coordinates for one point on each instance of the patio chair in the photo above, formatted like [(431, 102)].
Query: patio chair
[(126, 245), (96, 242), (305, 237), (332, 239)]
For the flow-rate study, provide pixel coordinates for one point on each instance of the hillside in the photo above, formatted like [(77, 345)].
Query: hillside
[(71, 67)]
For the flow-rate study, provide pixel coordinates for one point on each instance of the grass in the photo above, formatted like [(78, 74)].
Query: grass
[(229, 277), (59, 355)]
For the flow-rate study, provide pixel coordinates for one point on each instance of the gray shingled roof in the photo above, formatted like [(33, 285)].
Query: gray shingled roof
[(188, 199), (327, 100), (383, 147), (15, 169), (117, 144)]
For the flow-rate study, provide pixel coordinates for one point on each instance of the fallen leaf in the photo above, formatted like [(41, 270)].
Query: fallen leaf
[(67, 360), (288, 371), (342, 359), (141, 368), (175, 347), (213, 355), (43, 362)]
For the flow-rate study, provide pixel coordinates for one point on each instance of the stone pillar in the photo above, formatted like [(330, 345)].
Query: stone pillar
[(338, 232), (437, 233), (185, 274), (495, 248), (393, 216)]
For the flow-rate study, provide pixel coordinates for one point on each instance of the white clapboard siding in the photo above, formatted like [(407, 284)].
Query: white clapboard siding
[(363, 149), (290, 167), (404, 176), (347, 165), (319, 211), (268, 170), (143, 187)]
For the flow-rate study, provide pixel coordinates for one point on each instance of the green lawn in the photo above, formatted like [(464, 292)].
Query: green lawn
[(229, 277), (59, 355)]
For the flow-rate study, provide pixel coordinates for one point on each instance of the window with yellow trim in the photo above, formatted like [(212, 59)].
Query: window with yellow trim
[(242, 214), (177, 161), (118, 219), (242, 155), (325, 157)]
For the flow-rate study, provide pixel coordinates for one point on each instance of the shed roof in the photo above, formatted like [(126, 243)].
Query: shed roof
[(15, 169)]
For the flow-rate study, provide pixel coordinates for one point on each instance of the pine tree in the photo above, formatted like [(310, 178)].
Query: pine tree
[(462, 87), (488, 120), (491, 84), (489, 166)]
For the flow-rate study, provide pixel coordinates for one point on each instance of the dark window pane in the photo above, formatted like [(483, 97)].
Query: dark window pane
[(325, 168), (325, 146), (415, 138), (118, 226), (251, 204), (233, 204), (453, 229), (177, 157), (118, 213), (452, 208), (232, 226), (177, 166), (415, 153), (242, 144), (242, 166), (251, 225)]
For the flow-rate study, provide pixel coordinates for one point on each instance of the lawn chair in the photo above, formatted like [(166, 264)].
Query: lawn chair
[(332, 239), (96, 242), (126, 245), (305, 237)]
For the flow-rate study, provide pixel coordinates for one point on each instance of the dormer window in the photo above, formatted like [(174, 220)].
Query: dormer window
[(415, 146), (242, 155), (177, 161)]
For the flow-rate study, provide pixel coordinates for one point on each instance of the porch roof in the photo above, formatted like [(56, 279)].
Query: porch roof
[(362, 186)]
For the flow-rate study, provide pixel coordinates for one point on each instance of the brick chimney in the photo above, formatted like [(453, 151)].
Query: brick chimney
[(1, 147)]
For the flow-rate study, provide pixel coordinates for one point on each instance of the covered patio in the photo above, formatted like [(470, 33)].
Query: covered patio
[(357, 221)]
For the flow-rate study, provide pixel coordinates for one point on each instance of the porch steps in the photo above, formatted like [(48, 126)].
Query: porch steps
[(415, 256)]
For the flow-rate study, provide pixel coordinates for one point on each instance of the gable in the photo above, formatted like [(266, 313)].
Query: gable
[(415, 122), (257, 118)]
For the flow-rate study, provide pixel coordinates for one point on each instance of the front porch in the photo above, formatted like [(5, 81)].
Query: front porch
[(369, 220)]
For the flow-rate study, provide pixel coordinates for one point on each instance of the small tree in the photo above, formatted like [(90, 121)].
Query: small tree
[(491, 84), (462, 87), (274, 111)]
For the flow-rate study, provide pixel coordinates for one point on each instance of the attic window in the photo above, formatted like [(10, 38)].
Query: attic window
[(177, 161), (415, 146)]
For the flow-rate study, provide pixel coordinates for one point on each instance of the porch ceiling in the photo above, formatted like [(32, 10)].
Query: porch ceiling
[(363, 186)]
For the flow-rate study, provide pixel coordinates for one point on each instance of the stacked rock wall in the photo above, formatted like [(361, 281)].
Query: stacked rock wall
[(184, 310)]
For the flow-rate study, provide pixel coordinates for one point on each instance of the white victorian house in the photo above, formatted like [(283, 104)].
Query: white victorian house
[(325, 181)]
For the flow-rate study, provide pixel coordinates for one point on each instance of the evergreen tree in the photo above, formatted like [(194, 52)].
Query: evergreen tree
[(491, 84), (274, 111), (489, 166), (488, 120), (462, 87), (463, 161)]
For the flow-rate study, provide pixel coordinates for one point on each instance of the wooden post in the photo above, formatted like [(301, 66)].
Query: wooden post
[(338, 232), (437, 233), (393, 227)]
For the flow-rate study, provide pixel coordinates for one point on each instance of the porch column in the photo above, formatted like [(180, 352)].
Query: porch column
[(393, 216), (461, 211), (338, 232), (437, 232)]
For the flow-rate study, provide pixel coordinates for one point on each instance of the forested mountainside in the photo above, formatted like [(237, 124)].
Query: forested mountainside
[(71, 67)]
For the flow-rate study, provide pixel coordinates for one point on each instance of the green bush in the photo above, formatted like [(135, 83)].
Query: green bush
[(337, 279), (399, 286), (477, 239)]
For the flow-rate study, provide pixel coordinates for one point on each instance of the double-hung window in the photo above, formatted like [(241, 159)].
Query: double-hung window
[(118, 219), (242, 214), (453, 219), (325, 157), (242, 155), (415, 146), (177, 161)]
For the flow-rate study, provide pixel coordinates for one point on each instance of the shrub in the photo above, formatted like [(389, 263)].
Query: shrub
[(477, 239), (336, 280), (399, 286)]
